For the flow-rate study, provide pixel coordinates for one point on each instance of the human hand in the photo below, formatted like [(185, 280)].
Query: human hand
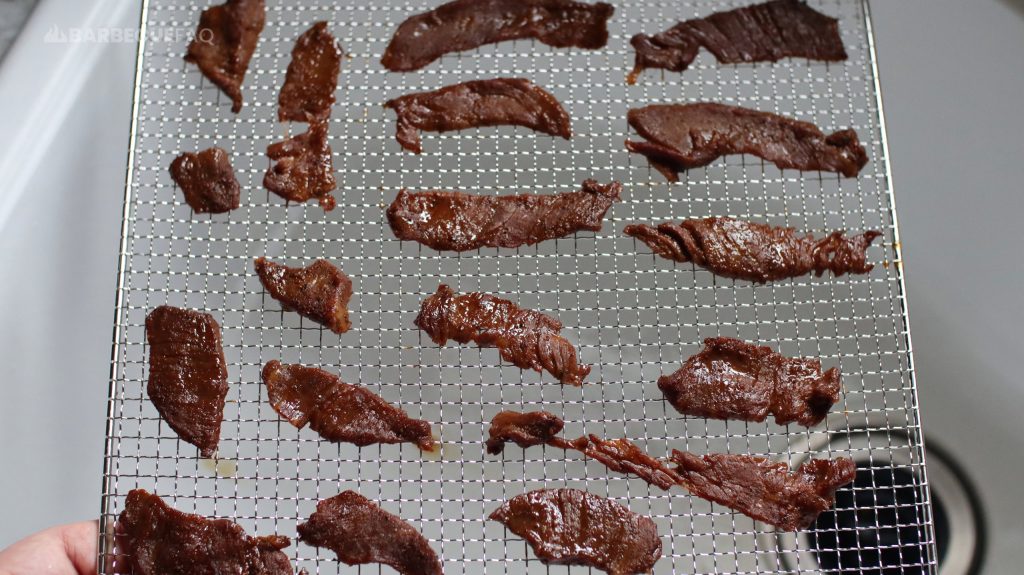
[(64, 550)]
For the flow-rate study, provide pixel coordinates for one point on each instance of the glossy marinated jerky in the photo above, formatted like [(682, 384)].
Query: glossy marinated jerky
[(525, 338), (733, 379), (159, 540), (360, 532), (573, 527), (751, 485), (303, 169), (319, 292), (188, 377), (765, 490), (312, 77), (456, 221), (755, 252), (684, 136), (764, 32), (339, 411), (523, 429), (475, 104), (466, 24), (207, 180), (225, 40)]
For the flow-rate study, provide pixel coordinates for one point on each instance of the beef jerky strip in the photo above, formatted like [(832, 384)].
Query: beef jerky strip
[(312, 77), (734, 379), (684, 136), (755, 252), (528, 339), (466, 24), (224, 42), (456, 221), (478, 103), (764, 32)]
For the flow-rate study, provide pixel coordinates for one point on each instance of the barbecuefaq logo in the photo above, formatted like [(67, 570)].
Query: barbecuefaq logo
[(109, 35)]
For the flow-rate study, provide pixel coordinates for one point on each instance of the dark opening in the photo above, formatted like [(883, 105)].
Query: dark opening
[(874, 527)]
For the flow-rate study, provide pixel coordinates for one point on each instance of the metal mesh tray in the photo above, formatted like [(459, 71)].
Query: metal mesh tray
[(632, 316)]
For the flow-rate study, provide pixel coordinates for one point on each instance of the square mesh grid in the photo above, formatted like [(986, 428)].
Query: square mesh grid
[(632, 316)]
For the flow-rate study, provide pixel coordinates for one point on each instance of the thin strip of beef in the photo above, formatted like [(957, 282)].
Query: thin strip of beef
[(319, 292), (765, 490), (573, 527), (360, 532), (523, 429), (475, 104), (528, 339), (207, 180), (466, 24), (303, 168), (312, 77), (224, 42), (159, 540), (755, 252), (684, 136), (751, 485), (188, 377), (765, 32), (456, 221), (338, 411), (734, 379)]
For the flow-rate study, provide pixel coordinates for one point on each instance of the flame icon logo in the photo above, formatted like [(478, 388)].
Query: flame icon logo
[(55, 35)]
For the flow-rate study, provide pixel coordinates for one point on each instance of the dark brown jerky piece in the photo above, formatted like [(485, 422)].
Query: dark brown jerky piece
[(751, 485), (339, 411), (765, 490), (456, 221), (225, 40), (764, 32), (684, 136), (733, 379), (360, 532), (159, 540), (207, 180), (475, 104), (319, 292), (525, 338), (523, 429), (573, 527), (188, 377), (467, 24), (303, 168), (312, 77), (755, 252)]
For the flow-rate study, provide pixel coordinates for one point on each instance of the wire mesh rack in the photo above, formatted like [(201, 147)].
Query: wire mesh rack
[(632, 316)]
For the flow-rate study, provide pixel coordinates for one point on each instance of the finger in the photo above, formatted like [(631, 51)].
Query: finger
[(65, 550), (81, 544)]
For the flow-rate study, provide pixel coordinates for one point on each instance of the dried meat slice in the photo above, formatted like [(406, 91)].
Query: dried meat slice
[(753, 251), (478, 103), (684, 136), (573, 527), (225, 40), (764, 32), (207, 180), (159, 540), (525, 338), (766, 490), (320, 291), (360, 532), (457, 221), (339, 411), (752, 485), (466, 24), (188, 377), (303, 168), (312, 77), (734, 379)]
